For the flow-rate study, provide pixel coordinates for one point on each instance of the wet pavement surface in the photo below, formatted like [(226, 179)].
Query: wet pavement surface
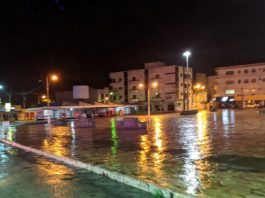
[(211, 154)]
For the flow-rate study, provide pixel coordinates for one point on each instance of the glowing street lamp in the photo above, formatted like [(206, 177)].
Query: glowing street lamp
[(107, 99), (1, 88), (154, 85), (186, 96), (49, 78), (43, 97)]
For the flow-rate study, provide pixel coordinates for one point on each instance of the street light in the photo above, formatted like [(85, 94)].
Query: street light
[(43, 97), (114, 95), (154, 85), (186, 96), (106, 99), (1, 88), (49, 78)]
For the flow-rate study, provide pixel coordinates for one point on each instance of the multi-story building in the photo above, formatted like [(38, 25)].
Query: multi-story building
[(243, 82), (103, 95), (167, 96)]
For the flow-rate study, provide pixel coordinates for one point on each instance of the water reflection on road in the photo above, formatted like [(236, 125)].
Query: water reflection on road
[(206, 154)]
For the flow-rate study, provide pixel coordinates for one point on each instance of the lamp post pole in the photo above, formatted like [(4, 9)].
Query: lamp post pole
[(48, 100), (154, 85), (187, 54), (148, 102), (187, 81)]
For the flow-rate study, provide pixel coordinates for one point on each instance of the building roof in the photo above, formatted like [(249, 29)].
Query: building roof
[(79, 106), (240, 66)]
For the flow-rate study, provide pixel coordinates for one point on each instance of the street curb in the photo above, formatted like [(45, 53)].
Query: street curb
[(130, 181)]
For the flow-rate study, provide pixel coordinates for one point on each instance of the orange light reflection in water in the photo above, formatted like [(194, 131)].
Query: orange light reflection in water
[(57, 143), (204, 142), (152, 147)]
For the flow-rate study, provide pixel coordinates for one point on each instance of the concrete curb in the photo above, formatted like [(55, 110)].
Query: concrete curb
[(130, 181)]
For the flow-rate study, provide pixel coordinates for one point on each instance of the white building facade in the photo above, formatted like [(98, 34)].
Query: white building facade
[(167, 96), (243, 82)]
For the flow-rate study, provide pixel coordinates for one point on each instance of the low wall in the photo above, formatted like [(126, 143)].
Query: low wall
[(148, 187)]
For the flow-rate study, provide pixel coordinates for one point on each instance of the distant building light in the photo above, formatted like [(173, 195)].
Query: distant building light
[(71, 109), (230, 91), (7, 107), (231, 99)]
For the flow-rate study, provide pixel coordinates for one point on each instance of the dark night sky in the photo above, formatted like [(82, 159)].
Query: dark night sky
[(85, 40)]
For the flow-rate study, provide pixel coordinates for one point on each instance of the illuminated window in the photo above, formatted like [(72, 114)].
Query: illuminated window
[(230, 91)]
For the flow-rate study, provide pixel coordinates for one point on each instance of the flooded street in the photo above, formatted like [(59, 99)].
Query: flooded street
[(211, 154)]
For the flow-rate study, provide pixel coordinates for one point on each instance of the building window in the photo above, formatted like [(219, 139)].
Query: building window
[(246, 71), (134, 96), (133, 78), (263, 80), (230, 91), (120, 88), (263, 69), (239, 71), (102, 96), (253, 71), (229, 72), (239, 81), (120, 97), (134, 87), (157, 76), (120, 79), (229, 82), (246, 81), (253, 80)]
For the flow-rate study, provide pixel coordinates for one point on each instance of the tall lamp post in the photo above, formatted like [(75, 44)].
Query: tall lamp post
[(154, 85), (49, 78), (186, 78)]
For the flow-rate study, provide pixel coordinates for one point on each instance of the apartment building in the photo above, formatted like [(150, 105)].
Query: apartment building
[(103, 95), (167, 96), (243, 82)]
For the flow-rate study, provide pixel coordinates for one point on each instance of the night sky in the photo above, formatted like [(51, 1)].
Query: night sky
[(84, 40)]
